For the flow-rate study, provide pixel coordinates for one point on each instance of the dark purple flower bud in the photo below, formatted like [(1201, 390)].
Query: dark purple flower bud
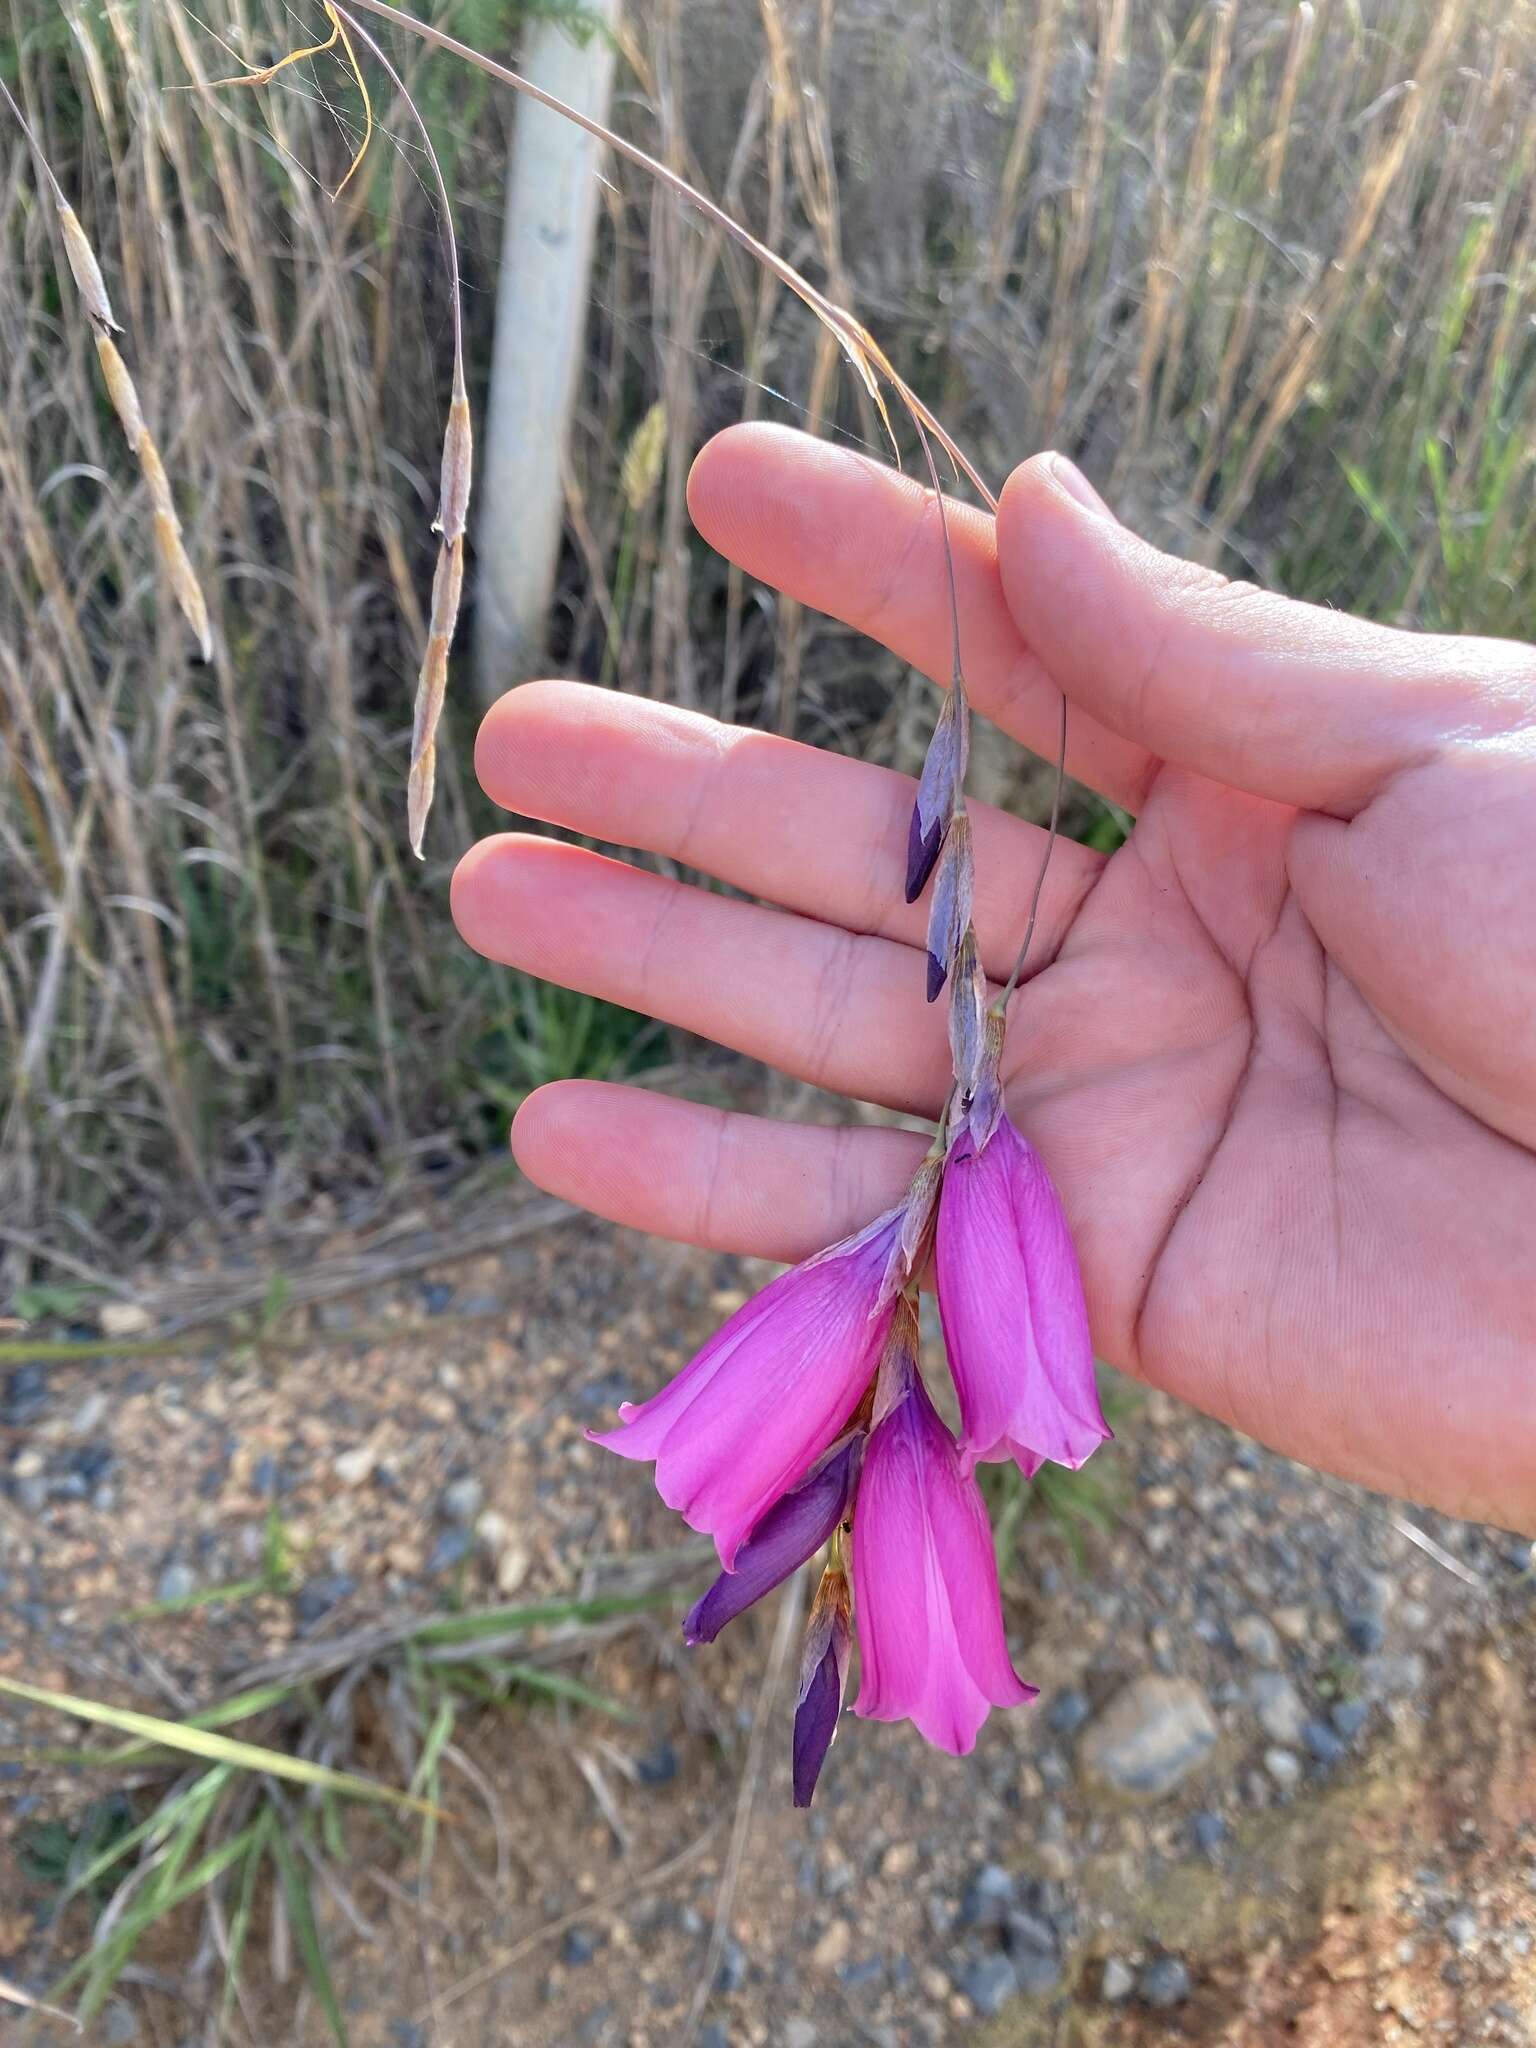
[(793, 1530), (938, 789), (824, 1678), (951, 910), (922, 852)]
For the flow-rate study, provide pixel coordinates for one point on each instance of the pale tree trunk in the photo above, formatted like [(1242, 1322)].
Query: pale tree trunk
[(541, 306)]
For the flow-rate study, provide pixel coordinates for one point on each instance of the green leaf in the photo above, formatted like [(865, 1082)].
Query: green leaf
[(219, 1749)]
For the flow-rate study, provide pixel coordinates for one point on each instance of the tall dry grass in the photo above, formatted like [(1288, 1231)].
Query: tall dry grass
[(1268, 271)]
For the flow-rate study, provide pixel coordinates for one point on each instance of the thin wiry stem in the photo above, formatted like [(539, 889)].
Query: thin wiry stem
[(1001, 1005), (351, 22), (36, 148), (865, 352)]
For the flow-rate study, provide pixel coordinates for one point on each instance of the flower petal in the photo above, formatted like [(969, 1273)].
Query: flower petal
[(1011, 1301), (769, 1393), (925, 1576)]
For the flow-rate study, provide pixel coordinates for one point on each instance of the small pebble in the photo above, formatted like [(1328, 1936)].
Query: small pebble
[(177, 1582), (1284, 1766), (1461, 1930), (354, 1467), (1323, 1743), (462, 1501), (1349, 1717), (579, 1946), (1067, 1712), (1164, 1983), (1366, 1633), (986, 1900), (732, 1971), (450, 1549), (316, 1597), (1256, 1638), (658, 1766), (1028, 1933), (1278, 1706), (1037, 1972), (1208, 1831), (1148, 1739), (1117, 1982), (988, 1982)]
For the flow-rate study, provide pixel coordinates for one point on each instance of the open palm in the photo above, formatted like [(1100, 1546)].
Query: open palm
[(1279, 1051)]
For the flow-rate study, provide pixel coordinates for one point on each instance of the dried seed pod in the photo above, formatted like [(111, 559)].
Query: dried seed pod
[(986, 1111), (967, 1016), (86, 271), (953, 894), (165, 525), (431, 687), (121, 390), (458, 470)]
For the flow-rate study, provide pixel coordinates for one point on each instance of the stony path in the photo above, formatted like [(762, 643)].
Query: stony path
[(1280, 1777)]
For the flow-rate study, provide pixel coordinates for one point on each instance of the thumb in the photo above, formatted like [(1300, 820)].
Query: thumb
[(1281, 699)]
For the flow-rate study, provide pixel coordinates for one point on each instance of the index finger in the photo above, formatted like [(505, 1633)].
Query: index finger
[(861, 542)]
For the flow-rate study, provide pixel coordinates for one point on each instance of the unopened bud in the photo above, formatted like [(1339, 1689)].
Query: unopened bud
[(823, 1679)]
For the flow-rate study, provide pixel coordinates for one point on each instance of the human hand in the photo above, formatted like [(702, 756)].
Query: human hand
[(1279, 1051)]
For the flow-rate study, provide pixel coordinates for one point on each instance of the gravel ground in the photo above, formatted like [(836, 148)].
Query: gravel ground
[(1279, 1784)]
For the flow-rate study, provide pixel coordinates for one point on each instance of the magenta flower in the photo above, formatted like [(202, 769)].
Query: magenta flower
[(925, 1583), (1011, 1300), (770, 1391)]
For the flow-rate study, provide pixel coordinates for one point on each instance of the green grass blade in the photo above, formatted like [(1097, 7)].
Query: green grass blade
[(204, 1742), (245, 1902), (438, 1733), (444, 1630), (302, 1912), (557, 1685), (206, 1596), (151, 1831), (207, 1872)]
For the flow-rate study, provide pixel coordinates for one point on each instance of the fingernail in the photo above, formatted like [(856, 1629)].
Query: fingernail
[(1077, 486)]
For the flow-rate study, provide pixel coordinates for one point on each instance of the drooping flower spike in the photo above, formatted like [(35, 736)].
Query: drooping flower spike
[(780, 1437)]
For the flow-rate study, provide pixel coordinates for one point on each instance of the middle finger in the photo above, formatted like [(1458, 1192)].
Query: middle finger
[(832, 1007)]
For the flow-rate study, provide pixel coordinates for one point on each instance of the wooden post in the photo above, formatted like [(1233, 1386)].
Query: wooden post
[(541, 304)]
